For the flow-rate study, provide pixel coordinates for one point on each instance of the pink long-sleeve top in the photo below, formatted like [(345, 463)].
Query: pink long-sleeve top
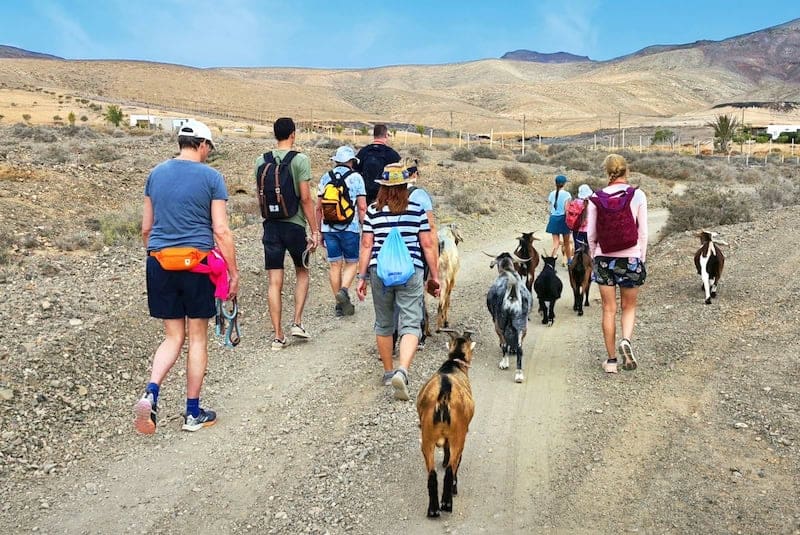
[(639, 209)]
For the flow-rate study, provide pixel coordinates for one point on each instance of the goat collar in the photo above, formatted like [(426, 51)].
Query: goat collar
[(462, 362)]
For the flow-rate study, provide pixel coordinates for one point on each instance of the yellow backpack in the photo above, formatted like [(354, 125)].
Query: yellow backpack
[(337, 206)]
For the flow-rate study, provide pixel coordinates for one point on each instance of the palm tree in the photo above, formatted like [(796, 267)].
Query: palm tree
[(725, 127)]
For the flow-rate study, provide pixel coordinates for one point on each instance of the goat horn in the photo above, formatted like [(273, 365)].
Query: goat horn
[(489, 255), (518, 259)]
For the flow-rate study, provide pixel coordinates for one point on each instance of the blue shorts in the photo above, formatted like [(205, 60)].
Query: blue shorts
[(178, 294), (622, 272), (279, 237), (342, 244)]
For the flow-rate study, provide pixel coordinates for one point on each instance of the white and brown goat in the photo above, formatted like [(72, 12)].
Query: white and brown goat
[(709, 261), (445, 408), (509, 303), (449, 263)]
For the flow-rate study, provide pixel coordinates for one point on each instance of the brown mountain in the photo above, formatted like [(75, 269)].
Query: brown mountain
[(539, 57), (14, 52), (665, 85)]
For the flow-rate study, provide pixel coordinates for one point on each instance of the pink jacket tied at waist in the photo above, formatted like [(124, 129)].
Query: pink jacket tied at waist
[(217, 270)]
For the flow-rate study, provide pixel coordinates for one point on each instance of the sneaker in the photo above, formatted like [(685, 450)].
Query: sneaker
[(387, 378), (518, 376), (400, 385), (610, 365), (204, 419), (299, 331), (337, 311), (421, 345), (278, 344), (628, 360), (343, 300), (145, 411)]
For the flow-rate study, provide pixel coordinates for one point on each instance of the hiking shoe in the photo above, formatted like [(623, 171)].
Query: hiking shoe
[(337, 311), (204, 419), (400, 385), (519, 376), (299, 331), (421, 345), (145, 411), (278, 344), (628, 360), (610, 365), (387, 378), (343, 300)]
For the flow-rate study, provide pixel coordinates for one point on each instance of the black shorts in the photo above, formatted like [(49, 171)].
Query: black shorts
[(279, 237), (178, 294)]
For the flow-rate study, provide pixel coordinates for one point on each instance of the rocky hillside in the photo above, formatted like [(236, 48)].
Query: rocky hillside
[(14, 52)]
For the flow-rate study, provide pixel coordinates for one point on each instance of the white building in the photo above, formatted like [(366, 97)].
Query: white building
[(142, 121), (775, 130)]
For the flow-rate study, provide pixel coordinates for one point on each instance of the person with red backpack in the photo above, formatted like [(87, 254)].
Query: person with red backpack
[(617, 232), (576, 215)]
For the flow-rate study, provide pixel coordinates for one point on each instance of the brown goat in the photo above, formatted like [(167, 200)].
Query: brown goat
[(445, 408), (580, 276), (524, 250)]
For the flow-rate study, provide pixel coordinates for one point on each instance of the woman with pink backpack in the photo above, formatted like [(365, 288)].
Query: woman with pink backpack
[(617, 234)]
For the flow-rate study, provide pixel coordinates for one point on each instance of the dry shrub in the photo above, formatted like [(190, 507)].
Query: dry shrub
[(530, 157), (325, 143), (80, 240), (571, 158), (778, 192), (750, 176), (517, 173), (463, 155), (702, 207), (102, 154), (50, 154), (41, 134), (418, 152), (82, 132), (243, 210), (468, 200), (122, 227), (484, 151)]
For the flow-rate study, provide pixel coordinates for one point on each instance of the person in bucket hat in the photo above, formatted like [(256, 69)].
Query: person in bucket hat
[(392, 209), (342, 240)]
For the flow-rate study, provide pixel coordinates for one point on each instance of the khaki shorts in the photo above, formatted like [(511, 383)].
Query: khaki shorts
[(408, 300)]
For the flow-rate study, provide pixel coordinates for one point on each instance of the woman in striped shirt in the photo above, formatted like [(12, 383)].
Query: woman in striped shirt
[(392, 209)]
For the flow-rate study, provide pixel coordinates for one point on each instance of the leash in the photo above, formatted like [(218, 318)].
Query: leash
[(231, 335), (306, 257)]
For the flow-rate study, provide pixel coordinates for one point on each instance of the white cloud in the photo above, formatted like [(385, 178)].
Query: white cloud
[(567, 26)]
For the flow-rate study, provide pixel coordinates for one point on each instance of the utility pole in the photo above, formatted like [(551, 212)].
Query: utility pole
[(523, 134), (451, 120), (619, 125)]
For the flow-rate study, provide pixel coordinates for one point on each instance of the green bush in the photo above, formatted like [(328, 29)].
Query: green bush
[(517, 173), (463, 155), (484, 151), (702, 207)]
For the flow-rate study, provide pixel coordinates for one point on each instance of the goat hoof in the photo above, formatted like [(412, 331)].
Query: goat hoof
[(447, 507), (433, 514), (544, 321), (713, 294), (708, 301), (580, 313)]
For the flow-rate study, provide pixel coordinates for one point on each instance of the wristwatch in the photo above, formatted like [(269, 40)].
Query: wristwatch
[(361, 277)]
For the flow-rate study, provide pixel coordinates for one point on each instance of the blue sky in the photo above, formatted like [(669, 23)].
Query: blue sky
[(359, 34)]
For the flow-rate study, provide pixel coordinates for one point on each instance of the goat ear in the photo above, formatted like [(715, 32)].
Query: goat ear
[(472, 345), (447, 345)]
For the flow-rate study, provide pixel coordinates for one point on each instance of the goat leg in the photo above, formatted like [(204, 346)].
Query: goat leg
[(447, 491), (433, 495), (446, 449)]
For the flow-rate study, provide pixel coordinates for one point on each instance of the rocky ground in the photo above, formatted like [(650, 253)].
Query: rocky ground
[(702, 438)]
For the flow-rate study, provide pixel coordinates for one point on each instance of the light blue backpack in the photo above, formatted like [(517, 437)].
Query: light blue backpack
[(395, 265)]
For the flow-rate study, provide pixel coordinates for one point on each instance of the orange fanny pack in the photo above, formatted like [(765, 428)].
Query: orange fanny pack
[(179, 258)]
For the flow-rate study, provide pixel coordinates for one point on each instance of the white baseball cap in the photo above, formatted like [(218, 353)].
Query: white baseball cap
[(584, 192), (197, 129), (344, 154)]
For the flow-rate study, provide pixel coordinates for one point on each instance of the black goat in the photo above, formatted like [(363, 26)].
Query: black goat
[(580, 276), (548, 289)]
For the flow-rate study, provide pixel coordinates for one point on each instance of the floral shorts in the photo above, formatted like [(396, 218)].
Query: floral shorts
[(622, 272)]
